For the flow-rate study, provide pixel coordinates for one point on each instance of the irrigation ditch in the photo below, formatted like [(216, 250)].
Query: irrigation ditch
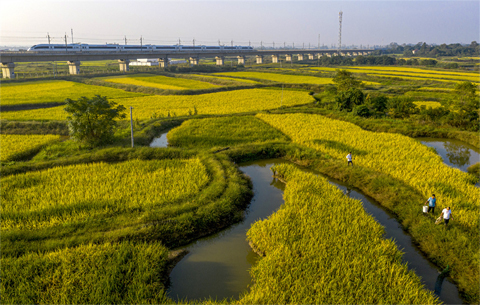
[(217, 266)]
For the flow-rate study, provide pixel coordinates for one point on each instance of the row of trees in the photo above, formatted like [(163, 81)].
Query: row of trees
[(424, 49), (346, 95), (382, 60)]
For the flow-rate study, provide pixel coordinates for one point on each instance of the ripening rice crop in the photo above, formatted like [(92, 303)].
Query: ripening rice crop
[(248, 81), (55, 92), (75, 193), (281, 78), (226, 131), (432, 105), (321, 247), (399, 156), (228, 102), (15, 146), (108, 273), (411, 73), (161, 82)]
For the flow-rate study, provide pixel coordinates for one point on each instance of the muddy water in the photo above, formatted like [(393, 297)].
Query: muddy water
[(453, 152), (217, 266)]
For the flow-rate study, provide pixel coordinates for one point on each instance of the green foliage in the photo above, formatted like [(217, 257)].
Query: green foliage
[(401, 107), (348, 99), (344, 80), (93, 120), (377, 104), (465, 106)]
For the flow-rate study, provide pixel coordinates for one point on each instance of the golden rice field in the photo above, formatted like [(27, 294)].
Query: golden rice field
[(159, 81), (55, 91), (77, 193), (248, 81), (432, 105), (399, 156), (322, 247), (228, 102), (281, 78), (411, 73), (12, 146)]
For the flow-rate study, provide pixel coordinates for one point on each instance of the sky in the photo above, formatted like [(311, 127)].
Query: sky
[(302, 23)]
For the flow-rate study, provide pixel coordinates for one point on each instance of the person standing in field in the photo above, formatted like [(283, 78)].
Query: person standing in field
[(349, 158), (447, 214), (431, 204)]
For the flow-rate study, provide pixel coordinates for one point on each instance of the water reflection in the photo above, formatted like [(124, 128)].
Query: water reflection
[(457, 154), (453, 152)]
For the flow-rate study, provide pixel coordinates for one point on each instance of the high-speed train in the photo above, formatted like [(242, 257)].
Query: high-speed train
[(116, 47)]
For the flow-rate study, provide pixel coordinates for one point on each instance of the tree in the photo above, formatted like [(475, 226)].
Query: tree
[(345, 80), (93, 120), (346, 100), (401, 106), (465, 106)]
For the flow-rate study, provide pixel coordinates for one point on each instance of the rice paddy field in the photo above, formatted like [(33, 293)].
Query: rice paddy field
[(207, 133), (239, 101), (281, 78), (411, 73), (13, 147), (400, 157), (103, 225), (55, 91), (160, 82), (343, 260)]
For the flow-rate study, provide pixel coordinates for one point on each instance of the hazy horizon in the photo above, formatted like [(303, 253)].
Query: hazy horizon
[(27, 22)]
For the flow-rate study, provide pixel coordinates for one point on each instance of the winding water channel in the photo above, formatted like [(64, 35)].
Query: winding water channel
[(218, 266)]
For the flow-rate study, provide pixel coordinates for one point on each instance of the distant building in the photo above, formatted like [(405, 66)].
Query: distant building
[(145, 62)]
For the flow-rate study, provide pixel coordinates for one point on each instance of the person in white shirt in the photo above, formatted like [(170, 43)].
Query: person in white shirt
[(349, 158), (447, 214)]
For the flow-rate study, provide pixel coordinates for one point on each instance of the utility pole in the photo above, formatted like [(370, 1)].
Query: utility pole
[(125, 40), (66, 49), (141, 43), (48, 36), (318, 41), (194, 43), (131, 124), (71, 30), (261, 45)]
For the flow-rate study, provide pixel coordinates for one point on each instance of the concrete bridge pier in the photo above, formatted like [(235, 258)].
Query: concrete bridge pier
[(124, 65), (163, 62), (8, 70), (288, 57), (193, 60), (355, 53), (310, 56), (274, 59), (300, 57), (74, 67), (220, 60), (241, 60), (259, 59)]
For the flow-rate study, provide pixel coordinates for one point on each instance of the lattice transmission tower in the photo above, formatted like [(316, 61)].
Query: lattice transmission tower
[(340, 32)]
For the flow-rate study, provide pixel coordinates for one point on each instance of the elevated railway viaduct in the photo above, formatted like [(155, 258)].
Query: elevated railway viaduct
[(74, 59)]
